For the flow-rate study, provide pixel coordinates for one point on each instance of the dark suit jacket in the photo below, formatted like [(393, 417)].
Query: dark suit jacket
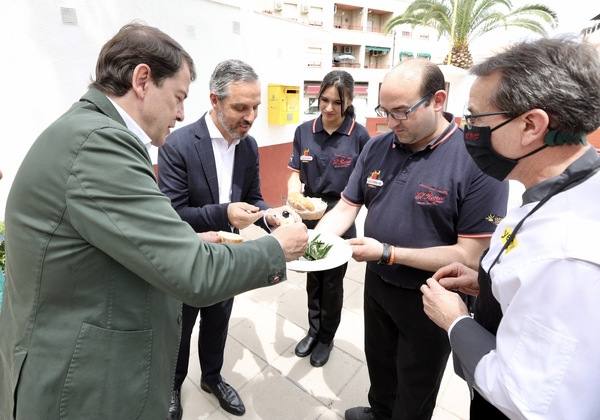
[(188, 176)]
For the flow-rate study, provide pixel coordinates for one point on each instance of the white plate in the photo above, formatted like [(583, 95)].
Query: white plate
[(339, 254)]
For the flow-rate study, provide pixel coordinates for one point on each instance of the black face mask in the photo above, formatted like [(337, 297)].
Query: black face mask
[(479, 145)]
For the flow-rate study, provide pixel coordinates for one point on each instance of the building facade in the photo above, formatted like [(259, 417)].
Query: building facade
[(289, 43)]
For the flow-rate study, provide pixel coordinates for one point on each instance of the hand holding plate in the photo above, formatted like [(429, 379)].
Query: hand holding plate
[(366, 249)]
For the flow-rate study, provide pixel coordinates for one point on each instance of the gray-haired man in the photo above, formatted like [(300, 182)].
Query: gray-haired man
[(209, 170)]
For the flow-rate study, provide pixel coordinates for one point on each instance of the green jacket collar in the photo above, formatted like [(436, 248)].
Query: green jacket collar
[(99, 99)]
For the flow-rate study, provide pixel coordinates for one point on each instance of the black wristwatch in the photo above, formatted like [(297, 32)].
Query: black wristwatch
[(385, 256)]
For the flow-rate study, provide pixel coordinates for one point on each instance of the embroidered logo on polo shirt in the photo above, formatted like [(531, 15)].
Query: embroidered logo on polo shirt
[(306, 157), (430, 196), (374, 181), (505, 235), (492, 218), (341, 161)]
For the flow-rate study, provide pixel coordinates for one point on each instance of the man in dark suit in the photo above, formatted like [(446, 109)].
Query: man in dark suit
[(209, 170)]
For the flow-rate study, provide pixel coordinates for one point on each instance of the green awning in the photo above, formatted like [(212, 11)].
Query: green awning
[(406, 54), (424, 55), (384, 50)]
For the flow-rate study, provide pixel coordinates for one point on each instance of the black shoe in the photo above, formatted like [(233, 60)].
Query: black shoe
[(359, 413), (320, 354), (228, 397), (305, 346), (175, 411)]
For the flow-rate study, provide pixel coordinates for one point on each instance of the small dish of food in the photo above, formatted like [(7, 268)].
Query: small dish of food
[(309, 208), (285, 215)]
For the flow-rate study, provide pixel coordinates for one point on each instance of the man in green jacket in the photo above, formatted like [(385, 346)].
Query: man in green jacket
[(99, 262)]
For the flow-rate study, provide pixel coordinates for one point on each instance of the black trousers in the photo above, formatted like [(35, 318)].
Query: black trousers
[(406, 352), (214, 322), (325, 290)]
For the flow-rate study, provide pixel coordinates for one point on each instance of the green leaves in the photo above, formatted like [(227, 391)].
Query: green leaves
[(462, 21), (316, 249)]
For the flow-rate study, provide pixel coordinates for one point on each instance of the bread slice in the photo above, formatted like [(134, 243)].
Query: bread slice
[(230, 237), (309, 208), (300, 202)]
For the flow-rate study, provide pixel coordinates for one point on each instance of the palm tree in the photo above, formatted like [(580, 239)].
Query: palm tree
[(464, 20)]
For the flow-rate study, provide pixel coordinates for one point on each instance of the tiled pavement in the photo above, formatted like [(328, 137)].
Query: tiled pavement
[(274, 384)]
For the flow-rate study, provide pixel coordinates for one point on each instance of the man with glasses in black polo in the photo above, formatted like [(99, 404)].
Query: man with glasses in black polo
[(428, 205)]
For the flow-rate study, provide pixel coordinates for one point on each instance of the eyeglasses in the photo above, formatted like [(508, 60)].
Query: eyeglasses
[(471, 119), (401, 115)]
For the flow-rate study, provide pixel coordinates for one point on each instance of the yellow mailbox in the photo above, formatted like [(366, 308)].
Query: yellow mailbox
[(284, 104)]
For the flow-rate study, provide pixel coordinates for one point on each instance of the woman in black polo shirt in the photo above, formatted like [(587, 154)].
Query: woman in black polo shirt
[(324, 153)]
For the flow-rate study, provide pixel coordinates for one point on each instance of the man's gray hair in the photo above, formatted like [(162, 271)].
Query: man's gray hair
[(559, 75), (228, 72)]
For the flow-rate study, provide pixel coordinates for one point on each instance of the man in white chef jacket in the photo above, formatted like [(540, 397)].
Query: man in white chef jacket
[(537, 355)]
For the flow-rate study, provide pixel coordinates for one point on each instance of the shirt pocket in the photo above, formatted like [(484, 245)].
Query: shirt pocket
[(538, 366), (108, 376)]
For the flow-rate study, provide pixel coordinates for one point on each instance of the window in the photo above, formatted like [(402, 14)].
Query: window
[(290, 10), (406, 34), (376, 57), (315, 16), (313, 56)]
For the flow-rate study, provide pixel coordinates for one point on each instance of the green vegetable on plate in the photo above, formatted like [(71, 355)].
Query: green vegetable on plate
[(316, 250)]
